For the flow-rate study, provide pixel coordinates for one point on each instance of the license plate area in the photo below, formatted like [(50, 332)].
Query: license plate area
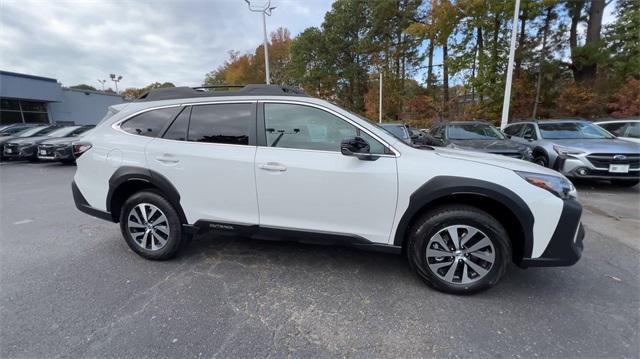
[(43, 152), (619, 168)]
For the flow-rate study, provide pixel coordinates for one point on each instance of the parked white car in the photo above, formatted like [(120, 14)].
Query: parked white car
[(627, 129), (270, 162)]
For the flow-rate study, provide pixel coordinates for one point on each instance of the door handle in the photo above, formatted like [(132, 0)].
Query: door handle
[(273, 166), (167, 159)]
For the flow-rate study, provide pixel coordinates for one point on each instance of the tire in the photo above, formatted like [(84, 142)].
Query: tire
[(541, 160), (153, 248), (435, 270), (625, 182)]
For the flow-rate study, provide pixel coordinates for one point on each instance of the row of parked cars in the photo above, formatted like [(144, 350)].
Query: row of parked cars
[(579, 149), (32, 142)]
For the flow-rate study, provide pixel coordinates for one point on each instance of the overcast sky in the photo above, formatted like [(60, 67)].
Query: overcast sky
[(144, 41)]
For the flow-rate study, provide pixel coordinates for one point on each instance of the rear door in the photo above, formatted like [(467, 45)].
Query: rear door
[(207, 153), (305, 183)]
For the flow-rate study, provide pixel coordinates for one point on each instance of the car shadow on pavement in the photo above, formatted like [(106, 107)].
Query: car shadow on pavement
[(304, 266)]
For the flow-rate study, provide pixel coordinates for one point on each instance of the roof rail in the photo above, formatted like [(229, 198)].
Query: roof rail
[(171, 93)]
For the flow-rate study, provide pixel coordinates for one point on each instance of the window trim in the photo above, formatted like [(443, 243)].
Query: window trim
[(252, 142), (262, 136), (117, 125)]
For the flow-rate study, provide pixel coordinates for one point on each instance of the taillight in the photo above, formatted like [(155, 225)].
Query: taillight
[(80, 148)]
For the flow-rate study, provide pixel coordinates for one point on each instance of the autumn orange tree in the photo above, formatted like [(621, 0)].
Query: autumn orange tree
[(447, 59)]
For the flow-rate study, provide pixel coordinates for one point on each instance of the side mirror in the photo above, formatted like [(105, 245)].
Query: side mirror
[(528, 137), (357, 147)]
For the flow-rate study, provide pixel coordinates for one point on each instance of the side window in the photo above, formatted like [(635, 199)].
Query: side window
[(634, 130), (529, 132), (617, 128), (304, 127), (229, 123), (178, 129), (513, 130), (150, 123)]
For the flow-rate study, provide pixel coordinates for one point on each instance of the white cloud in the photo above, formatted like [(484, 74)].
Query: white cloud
[(145, 41)]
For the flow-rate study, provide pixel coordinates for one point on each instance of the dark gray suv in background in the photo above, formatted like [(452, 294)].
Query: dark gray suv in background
[(580, 149), (479, 136)]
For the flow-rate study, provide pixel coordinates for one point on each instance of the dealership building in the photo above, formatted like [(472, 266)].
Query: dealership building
[(36, 99)]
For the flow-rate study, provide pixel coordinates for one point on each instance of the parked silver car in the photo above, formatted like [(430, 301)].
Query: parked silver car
[(626, 129), (580, 149)]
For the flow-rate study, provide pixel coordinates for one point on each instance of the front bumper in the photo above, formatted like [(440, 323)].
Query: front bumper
[(565, 247), (581, 167), (19, 152)]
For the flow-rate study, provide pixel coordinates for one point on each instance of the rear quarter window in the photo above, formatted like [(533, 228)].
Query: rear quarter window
[(150, 123)]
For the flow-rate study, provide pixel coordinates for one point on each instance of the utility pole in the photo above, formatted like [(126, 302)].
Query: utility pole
[(115, 78), (380, 100), (512, 52), (102, 83), (265, 9)]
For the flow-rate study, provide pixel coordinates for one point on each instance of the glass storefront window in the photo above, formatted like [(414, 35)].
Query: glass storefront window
[(16, 111)]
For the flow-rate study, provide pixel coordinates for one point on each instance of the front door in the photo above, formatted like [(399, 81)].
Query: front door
[(305, 183)]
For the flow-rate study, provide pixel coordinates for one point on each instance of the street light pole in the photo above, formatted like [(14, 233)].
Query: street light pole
[(102, 83), (266, 49), (512, 52), (380, 100), (115, 78), (266, 10)]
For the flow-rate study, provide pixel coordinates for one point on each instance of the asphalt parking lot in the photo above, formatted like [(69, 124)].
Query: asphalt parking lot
[(70, 287)]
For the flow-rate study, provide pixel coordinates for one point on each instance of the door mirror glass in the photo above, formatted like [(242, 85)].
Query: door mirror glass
[(357, 147)]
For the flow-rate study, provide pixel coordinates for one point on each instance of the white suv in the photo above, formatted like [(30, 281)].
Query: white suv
[(270, 162)]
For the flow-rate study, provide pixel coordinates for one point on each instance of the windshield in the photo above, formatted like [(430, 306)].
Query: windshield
[(396, 130), (63, 132), (572, 130), (473, 131), (30, 131)]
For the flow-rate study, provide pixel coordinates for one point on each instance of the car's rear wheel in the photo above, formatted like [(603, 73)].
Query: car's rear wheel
[(151, 226), (459, 249), (625, 182)]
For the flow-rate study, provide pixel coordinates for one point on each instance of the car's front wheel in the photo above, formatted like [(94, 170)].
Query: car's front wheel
[(151, 226), (459, 249)]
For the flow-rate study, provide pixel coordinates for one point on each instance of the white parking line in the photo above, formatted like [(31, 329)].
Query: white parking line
[(24, 221)]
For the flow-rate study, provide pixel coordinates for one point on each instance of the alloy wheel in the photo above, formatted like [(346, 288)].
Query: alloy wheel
[(460, 254), (148, 226)]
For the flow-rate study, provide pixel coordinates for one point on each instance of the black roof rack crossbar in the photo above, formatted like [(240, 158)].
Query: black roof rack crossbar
[(171, 93)]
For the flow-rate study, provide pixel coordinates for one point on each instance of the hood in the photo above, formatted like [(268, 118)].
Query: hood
[(489, 145), (34, 139), (613, 145), (495, 160), (5, 139), (60, 140)]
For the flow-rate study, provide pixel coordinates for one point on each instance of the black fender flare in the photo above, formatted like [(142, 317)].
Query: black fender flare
[(126, 174), (441, 187)]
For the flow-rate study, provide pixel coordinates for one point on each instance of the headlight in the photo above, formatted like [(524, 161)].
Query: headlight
[(559, 186), (566, 151)]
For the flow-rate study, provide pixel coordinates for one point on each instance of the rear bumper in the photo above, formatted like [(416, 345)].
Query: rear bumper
[(83, 205), (566, 244)]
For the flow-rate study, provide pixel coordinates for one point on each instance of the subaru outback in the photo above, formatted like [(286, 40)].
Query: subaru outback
[(269, 162)]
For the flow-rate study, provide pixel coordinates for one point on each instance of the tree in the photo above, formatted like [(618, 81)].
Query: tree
[(242, 69), (133, 93), (83, 87), (623, 40), (585, 58)]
